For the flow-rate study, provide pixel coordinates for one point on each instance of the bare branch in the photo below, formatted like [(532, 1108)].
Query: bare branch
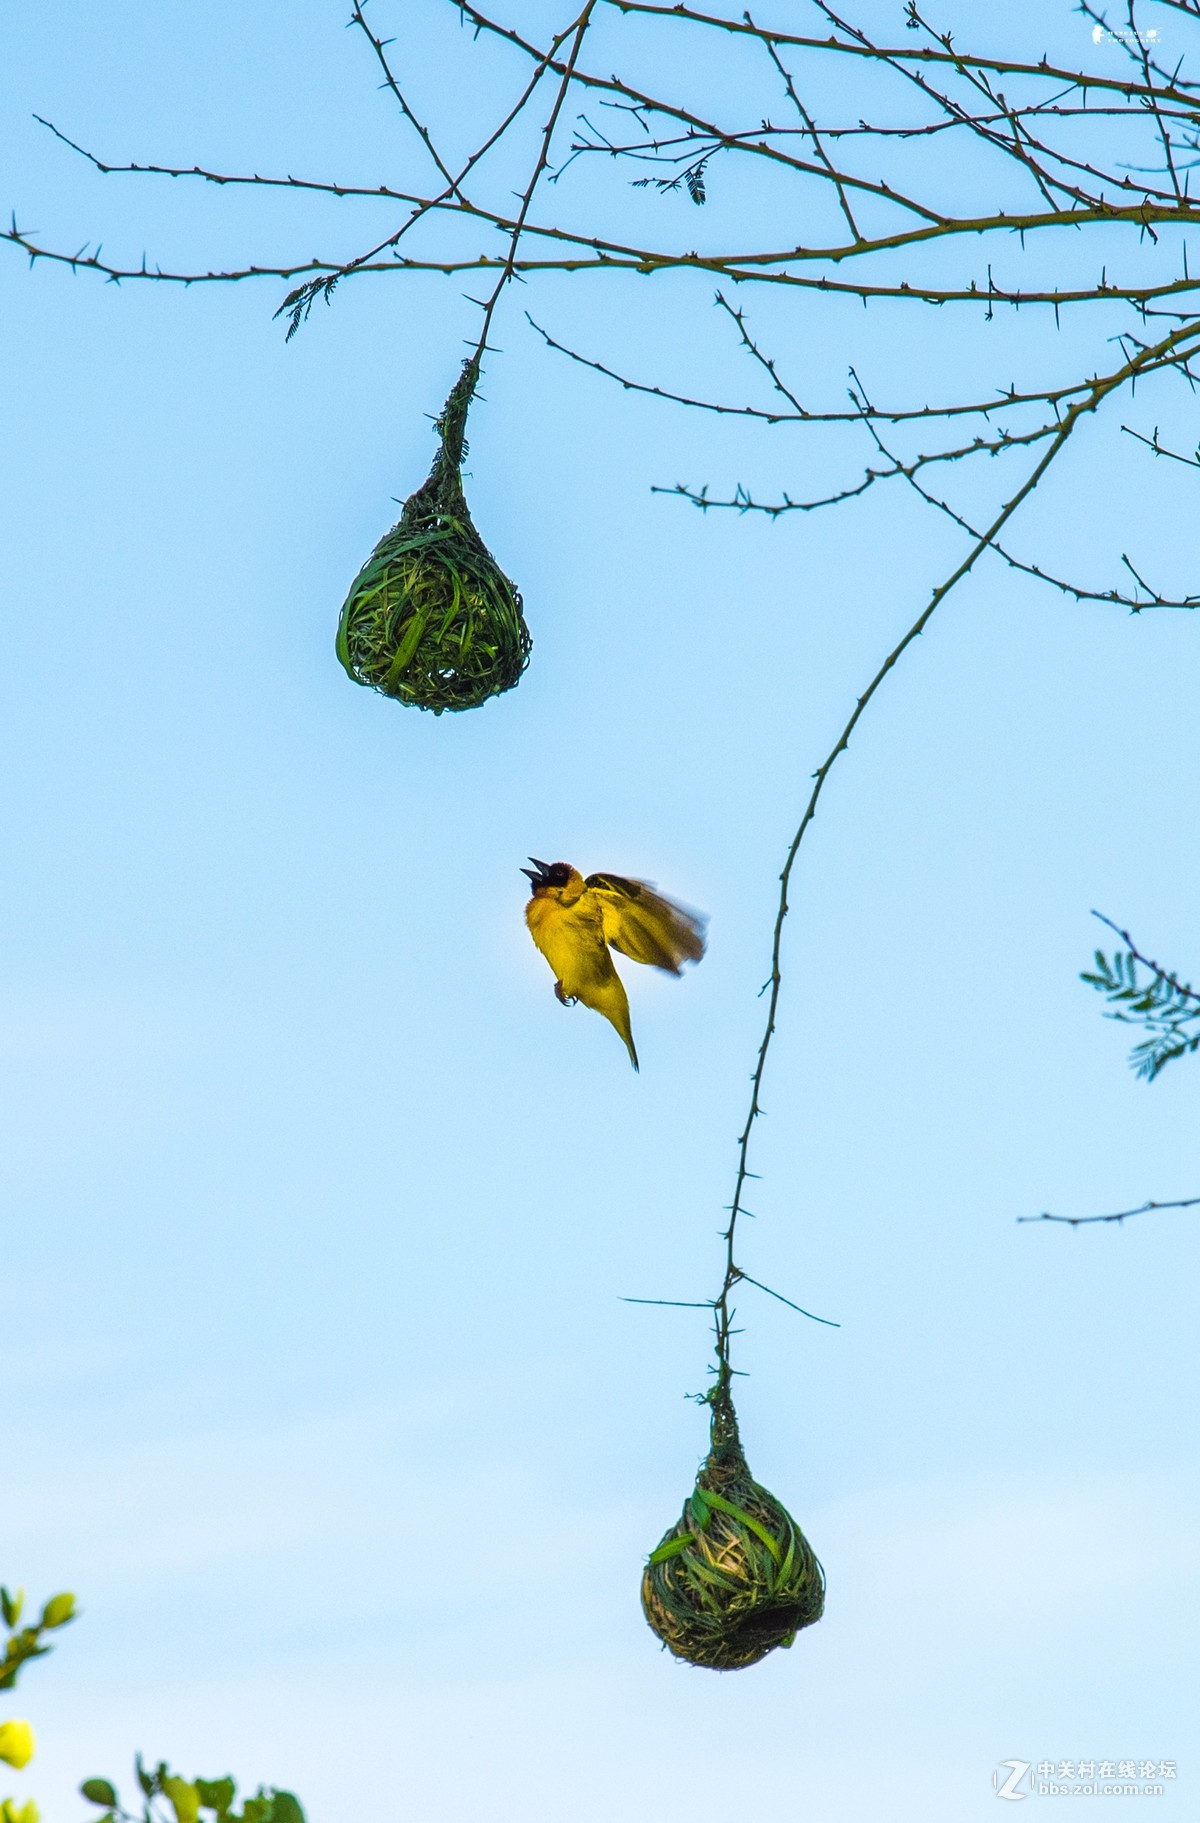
[(1152, 443), (1183, 93), (378, 45), (1121, 1215)]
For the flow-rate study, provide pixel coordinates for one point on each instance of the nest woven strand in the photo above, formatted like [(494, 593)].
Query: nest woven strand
[(431, 619), (735, 1576)]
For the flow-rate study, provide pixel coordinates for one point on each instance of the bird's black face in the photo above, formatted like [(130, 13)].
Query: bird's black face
[(549, 873)]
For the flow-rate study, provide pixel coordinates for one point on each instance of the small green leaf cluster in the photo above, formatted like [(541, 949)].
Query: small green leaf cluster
[(1167, 1009), (188, 1798), (24, 1643), (692, 180), (12, 1812)]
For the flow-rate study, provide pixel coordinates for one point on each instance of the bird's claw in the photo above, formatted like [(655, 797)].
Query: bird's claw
[(564, 999)]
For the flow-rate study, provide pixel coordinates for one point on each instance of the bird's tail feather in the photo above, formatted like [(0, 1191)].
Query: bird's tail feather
[(612, 1002), (620, 1018)]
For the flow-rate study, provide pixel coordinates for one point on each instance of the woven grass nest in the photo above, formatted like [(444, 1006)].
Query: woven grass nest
[(735, 1576), (431, 619)]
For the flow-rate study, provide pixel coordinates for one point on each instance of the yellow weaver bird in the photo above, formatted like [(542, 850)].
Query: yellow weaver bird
[(575, 922)]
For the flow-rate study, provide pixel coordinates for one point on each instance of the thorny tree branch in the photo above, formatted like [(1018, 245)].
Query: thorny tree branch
[(1152, 443), (576, 33), (1121, 1215), (1110, 200), (298, 304), (1100, 391), (983, 408), (870, 417)]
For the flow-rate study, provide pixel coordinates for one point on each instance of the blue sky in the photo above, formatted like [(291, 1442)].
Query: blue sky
[(319, 1211)]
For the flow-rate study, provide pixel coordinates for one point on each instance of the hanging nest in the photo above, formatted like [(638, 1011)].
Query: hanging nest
[(431, 617), (735, 1576)]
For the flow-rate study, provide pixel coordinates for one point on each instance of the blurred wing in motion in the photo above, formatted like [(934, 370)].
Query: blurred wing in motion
[(646, 927)]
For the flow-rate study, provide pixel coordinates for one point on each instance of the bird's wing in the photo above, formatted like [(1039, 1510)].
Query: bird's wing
[(646, 927)]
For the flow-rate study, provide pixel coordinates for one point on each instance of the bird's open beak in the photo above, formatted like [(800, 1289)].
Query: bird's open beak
[(538, 878)]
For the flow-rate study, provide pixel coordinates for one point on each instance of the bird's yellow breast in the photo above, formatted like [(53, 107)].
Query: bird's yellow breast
[(571, 938)]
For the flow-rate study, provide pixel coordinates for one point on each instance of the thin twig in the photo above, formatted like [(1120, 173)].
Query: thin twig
[(579, 28), (1121, 1215), (1159, 449)]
